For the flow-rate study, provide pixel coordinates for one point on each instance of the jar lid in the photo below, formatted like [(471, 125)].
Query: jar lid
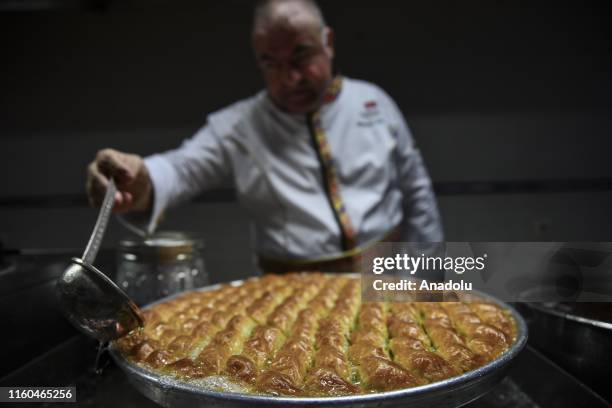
[(164, 245)]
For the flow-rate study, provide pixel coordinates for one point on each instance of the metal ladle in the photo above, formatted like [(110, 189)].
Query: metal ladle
[(92, 302)]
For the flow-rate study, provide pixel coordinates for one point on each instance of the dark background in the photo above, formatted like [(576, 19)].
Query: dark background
[(509, 101)]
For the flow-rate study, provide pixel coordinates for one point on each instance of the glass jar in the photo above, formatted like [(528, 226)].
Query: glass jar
[(159, 265)]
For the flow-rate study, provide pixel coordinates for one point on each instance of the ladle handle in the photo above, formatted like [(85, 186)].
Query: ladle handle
[(98, 233)]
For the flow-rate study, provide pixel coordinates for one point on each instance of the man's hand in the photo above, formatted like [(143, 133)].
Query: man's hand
[(131, 177)]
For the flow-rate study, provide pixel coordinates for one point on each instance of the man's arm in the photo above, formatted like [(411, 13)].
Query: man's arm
[(163, 179), (421, 217)]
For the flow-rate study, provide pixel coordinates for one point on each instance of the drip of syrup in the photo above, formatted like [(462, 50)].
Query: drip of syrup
[(98, 368)]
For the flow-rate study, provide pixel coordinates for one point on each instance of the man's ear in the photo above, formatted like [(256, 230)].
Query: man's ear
[(328, 41)]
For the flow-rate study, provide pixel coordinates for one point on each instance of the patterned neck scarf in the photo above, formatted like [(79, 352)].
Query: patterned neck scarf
[(328, 170)]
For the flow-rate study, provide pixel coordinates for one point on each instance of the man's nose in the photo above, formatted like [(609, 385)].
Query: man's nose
[(291, 76)]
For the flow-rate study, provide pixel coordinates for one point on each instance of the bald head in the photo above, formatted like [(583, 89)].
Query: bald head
[(287, 13), (294, 49)]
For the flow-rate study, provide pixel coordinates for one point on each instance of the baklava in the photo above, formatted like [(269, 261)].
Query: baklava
[(311, 335)]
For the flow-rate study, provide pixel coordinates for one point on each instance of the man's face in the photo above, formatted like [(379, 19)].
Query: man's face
[(296, 62)]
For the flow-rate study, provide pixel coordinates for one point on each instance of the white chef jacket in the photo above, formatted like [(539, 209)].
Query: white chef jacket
[(269, 157)]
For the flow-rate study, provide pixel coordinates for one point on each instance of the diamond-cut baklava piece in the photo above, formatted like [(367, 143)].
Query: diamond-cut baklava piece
[(311, 335)]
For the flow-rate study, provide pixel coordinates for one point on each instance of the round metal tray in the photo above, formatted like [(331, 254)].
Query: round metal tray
[(452, 392)]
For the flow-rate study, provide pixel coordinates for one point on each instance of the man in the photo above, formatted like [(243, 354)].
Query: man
[(325, 165)]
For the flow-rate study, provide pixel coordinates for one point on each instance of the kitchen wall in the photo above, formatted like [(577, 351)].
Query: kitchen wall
[(494, 91)]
